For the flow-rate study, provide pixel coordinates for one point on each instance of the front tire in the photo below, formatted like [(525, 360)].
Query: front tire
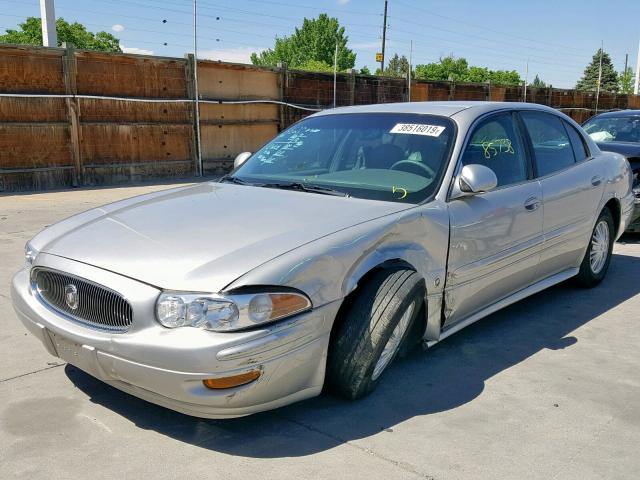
[(376, 324), (598, 255)]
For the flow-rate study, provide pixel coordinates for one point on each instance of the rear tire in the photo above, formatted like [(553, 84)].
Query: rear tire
[(596, 260), (375, 327)]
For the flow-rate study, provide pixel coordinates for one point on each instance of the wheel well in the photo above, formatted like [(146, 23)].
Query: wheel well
[(348, 300), (614, 207)]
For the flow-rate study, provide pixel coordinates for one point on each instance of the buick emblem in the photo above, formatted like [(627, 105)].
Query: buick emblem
[(71, 296)]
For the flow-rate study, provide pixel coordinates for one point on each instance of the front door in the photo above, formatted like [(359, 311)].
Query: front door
[(495, 236)]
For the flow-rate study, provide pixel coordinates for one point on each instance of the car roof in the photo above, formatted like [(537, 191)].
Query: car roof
[(447, 109), (619, 113)]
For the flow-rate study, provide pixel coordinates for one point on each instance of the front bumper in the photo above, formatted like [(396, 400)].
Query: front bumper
[(167, 366)]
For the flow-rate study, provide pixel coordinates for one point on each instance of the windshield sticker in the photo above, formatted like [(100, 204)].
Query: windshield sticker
[(418, 129)]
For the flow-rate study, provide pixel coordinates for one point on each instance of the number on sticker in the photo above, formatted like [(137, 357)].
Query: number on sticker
[(417, 129)]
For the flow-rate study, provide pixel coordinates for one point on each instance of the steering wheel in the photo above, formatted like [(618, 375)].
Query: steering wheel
[(411, 166)]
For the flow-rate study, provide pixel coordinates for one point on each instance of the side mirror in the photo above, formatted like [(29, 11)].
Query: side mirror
[(240, 159), (474, 179)]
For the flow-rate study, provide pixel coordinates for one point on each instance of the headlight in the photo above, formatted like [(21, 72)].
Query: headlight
[(30, 254), (225, 313)]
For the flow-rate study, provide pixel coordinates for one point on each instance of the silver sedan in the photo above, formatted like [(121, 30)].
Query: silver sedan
[(352, 236)]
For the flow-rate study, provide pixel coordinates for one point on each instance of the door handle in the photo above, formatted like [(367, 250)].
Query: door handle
[(597, 180), (532, 204)]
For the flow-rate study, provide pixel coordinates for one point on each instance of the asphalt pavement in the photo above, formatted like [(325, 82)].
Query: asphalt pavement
[(547, 388)]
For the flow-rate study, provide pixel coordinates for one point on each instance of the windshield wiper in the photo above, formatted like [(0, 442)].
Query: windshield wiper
[(238, 181), (307, 188)]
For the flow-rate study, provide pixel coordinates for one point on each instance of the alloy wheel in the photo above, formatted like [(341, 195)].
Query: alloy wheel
[(599, 247), (393, 344)]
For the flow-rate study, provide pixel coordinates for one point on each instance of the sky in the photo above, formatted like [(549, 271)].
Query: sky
[(556, 38)]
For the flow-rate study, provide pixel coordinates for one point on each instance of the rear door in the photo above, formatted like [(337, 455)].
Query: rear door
[(495, 236), (572, 188)]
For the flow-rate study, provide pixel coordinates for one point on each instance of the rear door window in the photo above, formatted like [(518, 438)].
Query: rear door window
[(577, 142), (552, 148)]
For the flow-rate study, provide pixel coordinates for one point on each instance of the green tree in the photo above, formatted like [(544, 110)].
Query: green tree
[(538, 83), (589, 80), (505, 77), (626, 81), (365, 71), (316, 66), (314, 41), (30, 33), (397, 67), (458, 69), (448, 67), (477, 75)]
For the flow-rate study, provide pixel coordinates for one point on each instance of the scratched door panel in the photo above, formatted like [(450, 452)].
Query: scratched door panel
[(494, 248)]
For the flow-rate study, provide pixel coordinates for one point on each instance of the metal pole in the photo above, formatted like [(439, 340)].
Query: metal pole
[(599, 77), (626, 63), (526, 80), (48, 20), (335, 74), (195, 85), (637, 84), (410, 66), (384, 37)]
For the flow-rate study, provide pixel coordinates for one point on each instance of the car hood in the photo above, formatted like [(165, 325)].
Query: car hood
[(203, 237)]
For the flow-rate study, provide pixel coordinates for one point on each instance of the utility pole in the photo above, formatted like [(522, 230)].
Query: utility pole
[(626, 63), (637, 84), (195, 87), (384, 36), (335, 74), (599, 76), (410, 66), (48, 20), (526, 80)]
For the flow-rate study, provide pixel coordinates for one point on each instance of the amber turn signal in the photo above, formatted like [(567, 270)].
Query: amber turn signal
[(230, 382), (285, 304)]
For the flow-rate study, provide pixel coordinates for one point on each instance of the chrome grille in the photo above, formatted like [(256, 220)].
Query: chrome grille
[(95, 305)]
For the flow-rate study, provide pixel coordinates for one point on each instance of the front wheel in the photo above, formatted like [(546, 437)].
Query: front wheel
[(598, 255), (376, 324)]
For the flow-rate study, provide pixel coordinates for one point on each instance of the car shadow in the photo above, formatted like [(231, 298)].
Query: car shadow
[(629, 238), (447, 376)]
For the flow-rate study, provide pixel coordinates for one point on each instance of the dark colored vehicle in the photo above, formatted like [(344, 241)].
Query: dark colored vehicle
[(619, 132)]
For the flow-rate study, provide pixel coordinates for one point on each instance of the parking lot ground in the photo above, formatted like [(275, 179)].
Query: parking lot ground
[(547, 388)]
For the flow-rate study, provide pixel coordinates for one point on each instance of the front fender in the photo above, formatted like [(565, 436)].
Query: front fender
[(330, 268)]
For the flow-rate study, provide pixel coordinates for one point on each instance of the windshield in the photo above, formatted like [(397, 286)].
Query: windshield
[(614, 129), (378, 156)]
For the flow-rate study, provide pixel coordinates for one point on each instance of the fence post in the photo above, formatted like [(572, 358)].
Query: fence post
[(487, 90), (70, 71), (550, 96), (452, 88), (191, 94), (352, 87), (282, 84)]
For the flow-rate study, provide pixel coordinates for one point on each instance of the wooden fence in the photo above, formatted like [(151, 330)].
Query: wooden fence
[(89, 118)]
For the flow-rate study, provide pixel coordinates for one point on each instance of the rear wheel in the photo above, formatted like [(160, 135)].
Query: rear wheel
[(375, 327), (598, 255)]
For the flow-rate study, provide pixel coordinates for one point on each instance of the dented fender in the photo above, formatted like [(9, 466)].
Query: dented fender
[(330, 268)]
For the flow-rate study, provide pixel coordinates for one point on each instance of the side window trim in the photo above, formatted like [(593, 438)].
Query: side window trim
[(527, 144), (586, 148)]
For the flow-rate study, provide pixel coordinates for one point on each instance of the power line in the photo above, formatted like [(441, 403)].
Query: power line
[(484, 27), (504, 52)]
